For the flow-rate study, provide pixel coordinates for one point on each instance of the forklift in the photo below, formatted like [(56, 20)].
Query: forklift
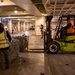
[(57, 44)]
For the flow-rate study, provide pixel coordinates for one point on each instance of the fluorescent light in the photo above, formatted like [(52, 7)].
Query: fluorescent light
[(44, 14), (15, 11)]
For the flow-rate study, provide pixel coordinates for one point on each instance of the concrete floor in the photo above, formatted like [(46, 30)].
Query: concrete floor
[(36, 42), (26, 64), (37, 63), (60, 64)]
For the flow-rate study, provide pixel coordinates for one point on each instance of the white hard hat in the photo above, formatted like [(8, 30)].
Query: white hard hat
[(5, 27)]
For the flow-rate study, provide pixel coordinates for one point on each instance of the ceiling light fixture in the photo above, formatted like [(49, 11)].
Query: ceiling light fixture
[(15, 11), (44, 14), (2, 0)]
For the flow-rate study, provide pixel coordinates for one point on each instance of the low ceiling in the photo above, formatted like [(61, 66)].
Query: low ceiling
[(36, 7), (55, 7)]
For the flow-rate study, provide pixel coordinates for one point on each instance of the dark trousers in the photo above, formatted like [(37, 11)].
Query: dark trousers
[(41, 34), (6, 56)]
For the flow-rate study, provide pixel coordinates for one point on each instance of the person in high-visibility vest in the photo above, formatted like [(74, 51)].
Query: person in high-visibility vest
[(5, 39), (67, 30), (70, 30), (69, 27)]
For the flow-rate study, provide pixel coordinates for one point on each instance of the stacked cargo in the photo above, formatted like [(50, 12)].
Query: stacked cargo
[(23, 42), (14, 50)]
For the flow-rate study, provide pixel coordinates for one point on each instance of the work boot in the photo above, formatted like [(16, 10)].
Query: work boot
[(7, 66)]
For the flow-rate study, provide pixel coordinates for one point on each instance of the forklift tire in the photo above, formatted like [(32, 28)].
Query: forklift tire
[(53, 47)]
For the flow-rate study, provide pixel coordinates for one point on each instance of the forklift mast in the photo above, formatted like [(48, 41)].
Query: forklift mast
[(47, 34), (48, 27)]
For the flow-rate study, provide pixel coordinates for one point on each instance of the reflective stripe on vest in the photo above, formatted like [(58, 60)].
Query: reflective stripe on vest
[(4, 42)]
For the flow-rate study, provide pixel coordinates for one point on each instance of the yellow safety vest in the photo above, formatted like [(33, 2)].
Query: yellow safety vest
[(4, 42)]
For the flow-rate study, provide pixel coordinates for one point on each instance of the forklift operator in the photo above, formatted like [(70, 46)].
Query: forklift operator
[(70, 29), (67, 30)]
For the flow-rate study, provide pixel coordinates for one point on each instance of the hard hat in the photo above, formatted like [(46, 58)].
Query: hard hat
[(5, 27)]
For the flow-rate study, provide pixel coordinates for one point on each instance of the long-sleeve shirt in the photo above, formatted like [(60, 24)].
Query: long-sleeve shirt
[(8, 35)]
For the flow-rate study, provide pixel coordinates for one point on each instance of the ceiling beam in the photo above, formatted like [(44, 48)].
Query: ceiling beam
[(65, 10), (9, 13), (70, 8), (60, 5), (46, 4), (28, 6), (54, 7), (73, 11), (6, 3), (63, 7)]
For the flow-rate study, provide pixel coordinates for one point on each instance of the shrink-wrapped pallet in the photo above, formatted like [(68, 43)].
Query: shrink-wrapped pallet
[(23, 42), (14, 50)]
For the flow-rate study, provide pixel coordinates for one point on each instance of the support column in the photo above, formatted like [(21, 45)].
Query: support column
[(27, 26), (18, 26), (10, 25), (24, 25), (0, 19)]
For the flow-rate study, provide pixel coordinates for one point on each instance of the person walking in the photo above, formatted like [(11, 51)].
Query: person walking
[(41, 28), (5, 39)]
